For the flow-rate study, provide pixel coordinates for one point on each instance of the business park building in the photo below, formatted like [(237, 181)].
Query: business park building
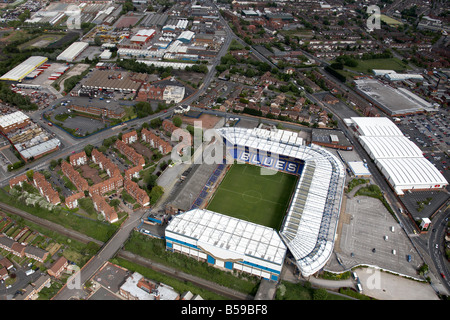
[(400, 160), (393, 101)]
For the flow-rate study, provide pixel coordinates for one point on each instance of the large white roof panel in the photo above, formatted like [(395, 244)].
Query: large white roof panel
[(23, 69), (376, 126)]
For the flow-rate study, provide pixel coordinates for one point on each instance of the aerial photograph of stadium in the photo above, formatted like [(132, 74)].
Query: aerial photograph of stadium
[(247, 155)]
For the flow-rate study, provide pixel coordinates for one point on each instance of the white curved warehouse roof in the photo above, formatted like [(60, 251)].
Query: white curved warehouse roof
[(411, 173), (375, 126), (390, 147), (400, 160), (310, 225)]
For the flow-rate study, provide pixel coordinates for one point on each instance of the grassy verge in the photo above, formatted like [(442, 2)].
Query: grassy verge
[(95, 229), (297, 291), (155, 250), (356, 182)]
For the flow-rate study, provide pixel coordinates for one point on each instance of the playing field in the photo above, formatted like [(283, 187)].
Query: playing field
[(247, 194)]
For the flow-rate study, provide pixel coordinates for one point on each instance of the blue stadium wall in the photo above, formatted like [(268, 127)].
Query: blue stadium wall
[(266, 159)]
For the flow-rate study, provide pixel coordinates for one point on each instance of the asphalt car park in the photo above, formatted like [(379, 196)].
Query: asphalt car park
[(369, 235), (422, 204), (80, 124), (429, 132)]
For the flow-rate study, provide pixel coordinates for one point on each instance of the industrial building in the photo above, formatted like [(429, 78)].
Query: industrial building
[(399, 160), (13, 121), (330, 138), (29, 139), (186, 36), (173, 94), (394, 76), (73, 51), (111, 80), (22, 70), (392, 101)]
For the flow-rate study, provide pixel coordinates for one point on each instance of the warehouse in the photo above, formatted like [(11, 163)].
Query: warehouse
[(359, 169), (164, 64), (13, 121), (394, 76), (392, 101), (73, 51), (19, 72), (114, 81), (186, 36), (143, 36), (399, 159), (38, 150), (331, 139)]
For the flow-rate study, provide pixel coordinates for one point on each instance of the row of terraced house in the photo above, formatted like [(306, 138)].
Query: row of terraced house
[(114, 182)]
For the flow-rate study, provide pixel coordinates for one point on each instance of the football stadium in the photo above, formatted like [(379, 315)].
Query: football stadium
[(278, 198)]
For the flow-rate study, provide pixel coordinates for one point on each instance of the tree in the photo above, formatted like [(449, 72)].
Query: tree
[(155, 194), (30, 174), (155, 123), (320, 294), (423, 269), (54, 163), (143, 109), (150, 180), (87, 149), (177, 121), (98, 41)]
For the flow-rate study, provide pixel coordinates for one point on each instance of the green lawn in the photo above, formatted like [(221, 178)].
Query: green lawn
[(246, 194), (390, 21), (390, 64)]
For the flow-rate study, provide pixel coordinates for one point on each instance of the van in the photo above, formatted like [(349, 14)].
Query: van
[(394, 252), (359, 287)]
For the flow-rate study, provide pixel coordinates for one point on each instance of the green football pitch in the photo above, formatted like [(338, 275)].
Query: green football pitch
[(245, 193)]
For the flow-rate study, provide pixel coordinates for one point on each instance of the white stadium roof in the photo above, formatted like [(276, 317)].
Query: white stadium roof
[(400, 160), (227, 237), (310, 226), (22, 70)]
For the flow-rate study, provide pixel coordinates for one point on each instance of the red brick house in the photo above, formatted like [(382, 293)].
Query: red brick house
[(78, 159), (58, 267)]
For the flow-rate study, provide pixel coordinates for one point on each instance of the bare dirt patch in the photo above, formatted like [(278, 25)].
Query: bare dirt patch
[(91, 173), (141, 149), (208, 121)]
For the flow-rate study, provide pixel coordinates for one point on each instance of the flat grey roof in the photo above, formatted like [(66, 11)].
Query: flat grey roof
[(393, 101)]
